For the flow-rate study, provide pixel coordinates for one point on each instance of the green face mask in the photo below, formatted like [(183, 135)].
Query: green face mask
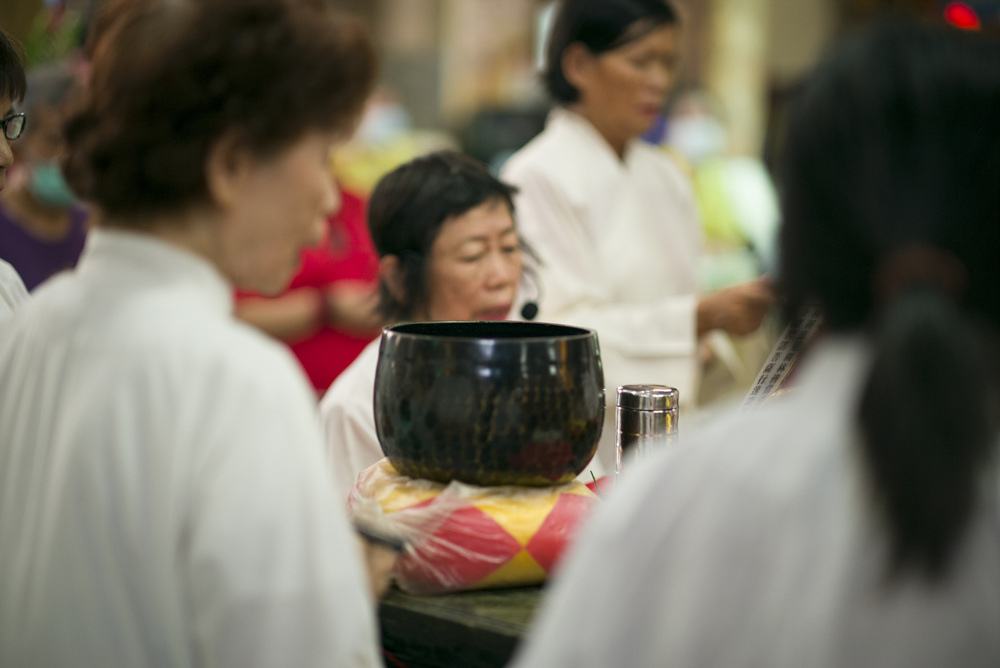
[(48, 186)]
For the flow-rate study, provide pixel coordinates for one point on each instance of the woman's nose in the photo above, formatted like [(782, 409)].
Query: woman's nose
[(503, 270), (660, 78)]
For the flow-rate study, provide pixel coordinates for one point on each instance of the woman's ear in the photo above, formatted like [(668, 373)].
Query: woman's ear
[(390, 270), (577, 63), (226, 167)]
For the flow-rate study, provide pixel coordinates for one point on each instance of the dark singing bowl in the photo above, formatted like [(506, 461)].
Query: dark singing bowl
[(489, 403)]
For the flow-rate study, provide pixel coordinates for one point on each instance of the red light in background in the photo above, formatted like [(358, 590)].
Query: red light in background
[(962, 16)]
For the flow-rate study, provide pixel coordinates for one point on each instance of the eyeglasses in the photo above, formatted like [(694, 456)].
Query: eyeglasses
[(13, 126)]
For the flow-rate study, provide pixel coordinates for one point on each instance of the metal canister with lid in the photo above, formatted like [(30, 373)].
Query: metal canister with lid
[(646, 418)]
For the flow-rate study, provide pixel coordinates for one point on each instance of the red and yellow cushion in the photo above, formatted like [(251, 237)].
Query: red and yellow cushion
[(467, 537)]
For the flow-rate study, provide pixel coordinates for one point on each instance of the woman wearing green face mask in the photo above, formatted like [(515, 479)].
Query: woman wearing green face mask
[(42, 225)]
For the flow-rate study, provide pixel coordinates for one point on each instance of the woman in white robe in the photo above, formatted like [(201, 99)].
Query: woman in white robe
[(613, 219), (855, 521), (166, 500)]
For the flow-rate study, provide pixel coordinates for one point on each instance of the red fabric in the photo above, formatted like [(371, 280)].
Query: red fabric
[(465, 548), (560, 525), (345, 253)]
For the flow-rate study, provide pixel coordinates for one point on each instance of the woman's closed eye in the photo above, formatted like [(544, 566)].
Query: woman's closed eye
[(642, 62), (470, 259), (647, 61)]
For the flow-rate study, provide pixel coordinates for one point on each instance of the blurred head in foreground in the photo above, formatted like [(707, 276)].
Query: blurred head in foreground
[(219, 115), (892, 225)]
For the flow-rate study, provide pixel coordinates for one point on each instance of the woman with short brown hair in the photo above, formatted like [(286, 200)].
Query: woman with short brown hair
[(166, 500)]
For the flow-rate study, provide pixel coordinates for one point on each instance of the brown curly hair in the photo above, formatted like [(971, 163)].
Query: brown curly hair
[(170, 78)]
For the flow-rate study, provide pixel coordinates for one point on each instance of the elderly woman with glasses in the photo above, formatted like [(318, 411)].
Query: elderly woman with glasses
[(12, 88), (43, 226)]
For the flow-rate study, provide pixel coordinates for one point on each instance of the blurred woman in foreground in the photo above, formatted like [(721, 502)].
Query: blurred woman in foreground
[(165, 497), (854, 522)]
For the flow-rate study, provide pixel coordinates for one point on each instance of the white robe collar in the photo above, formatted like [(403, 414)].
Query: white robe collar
[(562, 119), (143, 257)]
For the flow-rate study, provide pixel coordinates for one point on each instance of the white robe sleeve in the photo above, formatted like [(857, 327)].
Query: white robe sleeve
[(348, 420), (351, 442), (12, 290)]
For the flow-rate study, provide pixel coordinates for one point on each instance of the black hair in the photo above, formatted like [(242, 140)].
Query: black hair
[(407, 209), (891, 149), (12, 80), (600, 25)]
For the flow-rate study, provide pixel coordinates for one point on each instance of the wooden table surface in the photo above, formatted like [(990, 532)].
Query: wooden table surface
[(466, 629)]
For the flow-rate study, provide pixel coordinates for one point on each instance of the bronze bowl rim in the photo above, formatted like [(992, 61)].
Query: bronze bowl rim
[(569, 332)]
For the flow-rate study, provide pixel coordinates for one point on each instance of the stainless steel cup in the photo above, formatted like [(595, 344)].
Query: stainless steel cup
[(646, 419)]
